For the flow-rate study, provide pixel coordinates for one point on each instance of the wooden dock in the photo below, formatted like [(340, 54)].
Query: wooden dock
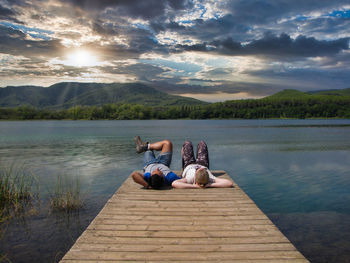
[(182, 225)]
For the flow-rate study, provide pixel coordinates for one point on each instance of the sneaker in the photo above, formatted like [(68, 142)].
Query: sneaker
[(140, 145)]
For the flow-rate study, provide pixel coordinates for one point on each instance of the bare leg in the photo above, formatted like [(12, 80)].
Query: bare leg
[(162, 146)]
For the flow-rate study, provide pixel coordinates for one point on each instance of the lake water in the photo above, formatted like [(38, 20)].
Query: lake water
[(297, 172)]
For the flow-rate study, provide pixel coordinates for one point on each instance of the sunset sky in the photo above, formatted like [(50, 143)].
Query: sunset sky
[(207, 49)]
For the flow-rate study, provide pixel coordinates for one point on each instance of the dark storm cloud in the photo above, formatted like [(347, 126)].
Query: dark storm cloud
[(5, 12), (307, 78), (302, 46), (15, 42), (206, 29), (141, 71), (228, 31), (8, 14), (145, 72), (282, 46), (247, 20), (137, 40), (263, 11), (326, 25), (134, 8), (104, 29)]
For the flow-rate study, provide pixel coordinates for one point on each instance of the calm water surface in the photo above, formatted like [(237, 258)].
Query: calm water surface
[(297, 171)]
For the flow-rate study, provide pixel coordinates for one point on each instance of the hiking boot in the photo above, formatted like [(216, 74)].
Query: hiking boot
[(140, 145)]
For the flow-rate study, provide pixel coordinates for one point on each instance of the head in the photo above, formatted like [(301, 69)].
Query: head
[(157, 179), (202, 177)]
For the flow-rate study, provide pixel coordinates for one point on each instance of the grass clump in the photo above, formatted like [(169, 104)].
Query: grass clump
[(16, 187), (17, 190), (66, 195)]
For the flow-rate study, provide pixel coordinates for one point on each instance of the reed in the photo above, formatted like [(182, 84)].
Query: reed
[(16, 187), (66, 195), (4, 258), (16, 193)]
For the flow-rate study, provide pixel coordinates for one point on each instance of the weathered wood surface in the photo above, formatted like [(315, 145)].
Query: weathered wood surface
[(182, 225)]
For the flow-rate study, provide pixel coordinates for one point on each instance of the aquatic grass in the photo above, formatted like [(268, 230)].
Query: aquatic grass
[(4, 258), (66, 195), (17, 184)]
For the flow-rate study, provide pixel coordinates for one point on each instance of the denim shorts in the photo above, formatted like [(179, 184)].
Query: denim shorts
[(163, 158)]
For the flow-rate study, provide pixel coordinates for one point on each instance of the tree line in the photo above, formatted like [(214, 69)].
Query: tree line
[(311, 107)]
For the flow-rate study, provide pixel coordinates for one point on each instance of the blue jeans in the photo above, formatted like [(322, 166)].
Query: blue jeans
[(163, 158)]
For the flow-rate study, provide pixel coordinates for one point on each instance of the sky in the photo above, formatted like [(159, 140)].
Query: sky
[(212, 50)]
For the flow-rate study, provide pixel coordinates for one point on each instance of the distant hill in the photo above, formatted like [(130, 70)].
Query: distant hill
[(68, 94), (288, 93), (296, 94), (336, 92)]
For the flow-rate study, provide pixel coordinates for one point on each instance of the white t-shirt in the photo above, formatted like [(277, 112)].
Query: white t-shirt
[(190, 172)]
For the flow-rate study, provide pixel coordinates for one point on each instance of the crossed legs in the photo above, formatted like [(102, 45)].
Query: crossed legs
[(164, 146)]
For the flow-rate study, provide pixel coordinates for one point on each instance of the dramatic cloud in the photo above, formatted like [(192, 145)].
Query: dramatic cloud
[(14, 42), (133, 8), (282, 46), (8, 14), (244, 48)]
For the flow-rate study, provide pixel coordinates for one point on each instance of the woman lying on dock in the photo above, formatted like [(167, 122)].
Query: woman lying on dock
[(196, 173), (157, 172)]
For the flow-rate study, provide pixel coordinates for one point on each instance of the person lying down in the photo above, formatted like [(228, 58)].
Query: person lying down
[(196, 173)]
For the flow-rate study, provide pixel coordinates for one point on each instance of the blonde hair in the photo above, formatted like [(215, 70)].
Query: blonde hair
[(202, 176)]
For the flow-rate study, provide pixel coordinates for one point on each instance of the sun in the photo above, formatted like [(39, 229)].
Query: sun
[(81, 58)]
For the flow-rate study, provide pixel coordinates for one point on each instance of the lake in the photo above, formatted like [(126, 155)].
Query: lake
[(297, 172)]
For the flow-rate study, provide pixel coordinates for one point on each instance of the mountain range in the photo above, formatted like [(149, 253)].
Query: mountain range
[(68, 94)]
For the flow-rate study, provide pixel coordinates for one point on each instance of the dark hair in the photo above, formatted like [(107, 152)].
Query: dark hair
[(156, 181)]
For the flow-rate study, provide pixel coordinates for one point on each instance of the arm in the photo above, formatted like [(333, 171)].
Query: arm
[(221, 183), (171, 177), (138, 178), (182, 183)]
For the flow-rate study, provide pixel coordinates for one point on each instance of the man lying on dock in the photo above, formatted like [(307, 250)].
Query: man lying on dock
[(196, 173), (157, 172)]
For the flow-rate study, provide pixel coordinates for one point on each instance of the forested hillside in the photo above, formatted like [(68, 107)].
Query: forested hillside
[(285, 104), (68, 94)]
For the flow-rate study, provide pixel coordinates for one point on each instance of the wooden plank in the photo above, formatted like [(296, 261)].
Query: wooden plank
[(182, 256), (215, 218), (182, 225), (95, 237), (148, 203), (157, 227), (192, 234), (182, 248), (188, 208), (174, 223)]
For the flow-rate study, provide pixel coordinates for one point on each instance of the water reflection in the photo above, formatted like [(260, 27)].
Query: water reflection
[(317, 232)]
